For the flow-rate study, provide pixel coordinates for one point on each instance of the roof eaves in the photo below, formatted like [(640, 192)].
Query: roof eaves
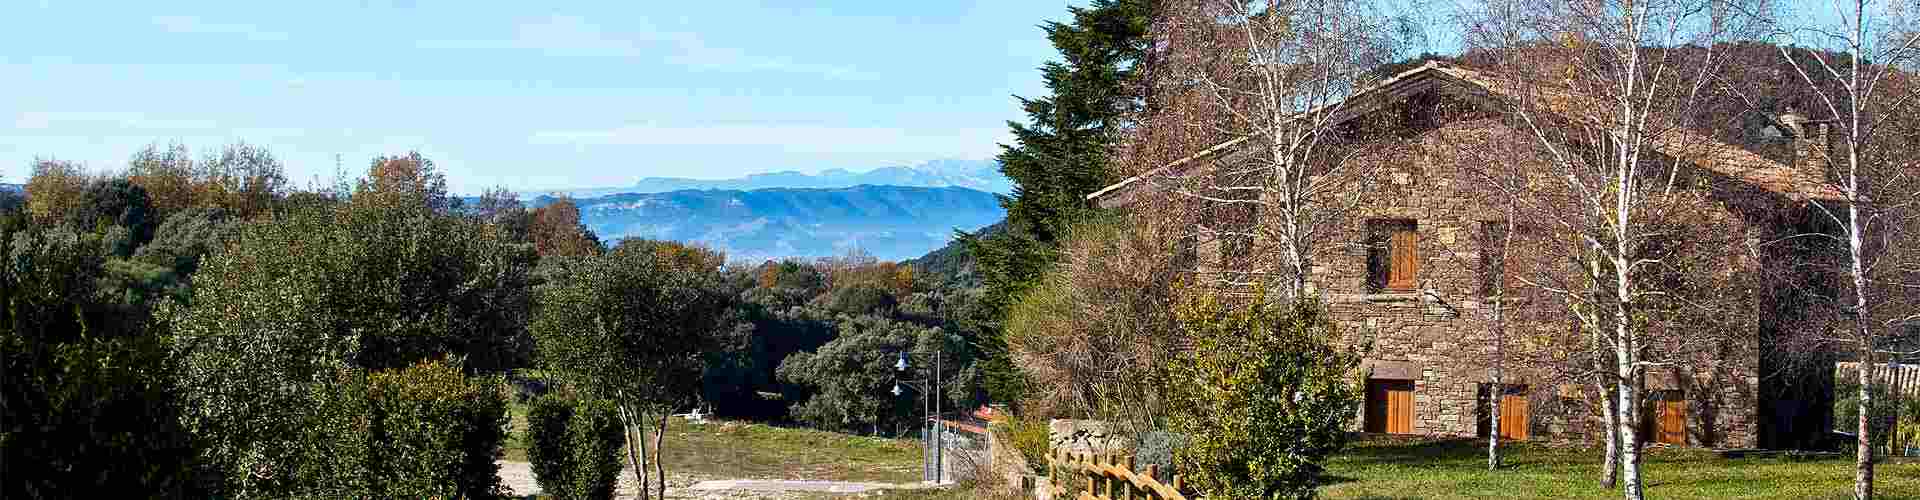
[(1170, 166)]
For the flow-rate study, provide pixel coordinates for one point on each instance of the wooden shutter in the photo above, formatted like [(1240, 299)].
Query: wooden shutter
[(1405, 263)]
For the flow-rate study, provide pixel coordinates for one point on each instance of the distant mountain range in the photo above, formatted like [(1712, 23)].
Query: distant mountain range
[(978, 175), (888, 222)]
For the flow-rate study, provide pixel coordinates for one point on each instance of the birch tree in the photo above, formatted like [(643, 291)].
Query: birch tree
[(1865, 151), (1273, 76), (1597, 86)]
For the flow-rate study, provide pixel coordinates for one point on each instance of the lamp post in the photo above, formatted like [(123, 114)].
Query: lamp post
[(929, 403)]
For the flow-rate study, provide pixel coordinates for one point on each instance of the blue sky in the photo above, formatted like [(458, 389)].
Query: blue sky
[(518, 93)]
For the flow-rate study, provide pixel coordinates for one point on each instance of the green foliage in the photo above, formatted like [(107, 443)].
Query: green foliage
[(435, 433), (631, 325), (1060, 156), (1031, 438), (117, 202), (861, 299), (1885, 404), (383, 281), (574, 447), (851, 377), (184, 239), (1265, 400), (85, 407)]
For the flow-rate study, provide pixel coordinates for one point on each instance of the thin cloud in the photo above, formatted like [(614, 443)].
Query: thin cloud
[(573, 36), (195, 25), (788, 137)]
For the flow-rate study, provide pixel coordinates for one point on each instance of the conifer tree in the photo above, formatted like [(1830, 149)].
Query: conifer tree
[(1060, 155)]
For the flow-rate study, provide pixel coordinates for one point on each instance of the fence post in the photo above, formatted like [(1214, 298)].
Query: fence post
[(1091, 479)]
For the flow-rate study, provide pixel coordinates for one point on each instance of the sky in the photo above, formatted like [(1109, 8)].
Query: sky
[(521, 94)]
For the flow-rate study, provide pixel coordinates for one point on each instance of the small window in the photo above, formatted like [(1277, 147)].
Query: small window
[(1393, 260)]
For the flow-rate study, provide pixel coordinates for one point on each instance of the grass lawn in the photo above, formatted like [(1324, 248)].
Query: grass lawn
[(1383, 468), (740, 450)]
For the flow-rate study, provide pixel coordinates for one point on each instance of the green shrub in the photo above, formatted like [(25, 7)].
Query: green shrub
[(547, 443), (87, 406), (1028, 437), (434, 432), (1266, 398), (574, 448)]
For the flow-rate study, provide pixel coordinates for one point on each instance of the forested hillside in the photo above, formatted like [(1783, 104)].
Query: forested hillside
[(208, 330), (888, 222)]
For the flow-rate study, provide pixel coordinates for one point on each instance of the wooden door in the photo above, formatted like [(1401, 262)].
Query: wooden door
[(1514, 417), (1513, 414), (1389, 406), (1668, 419)]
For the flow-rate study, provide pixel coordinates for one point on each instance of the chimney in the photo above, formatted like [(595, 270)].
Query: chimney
[(1810, 140)]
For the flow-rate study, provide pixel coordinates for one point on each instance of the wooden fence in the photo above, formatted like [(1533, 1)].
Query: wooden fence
[(1904, 378), (1094, 477)]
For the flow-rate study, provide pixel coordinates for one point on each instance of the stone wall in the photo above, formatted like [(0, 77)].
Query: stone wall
[(1087, 436), (1439, 336)]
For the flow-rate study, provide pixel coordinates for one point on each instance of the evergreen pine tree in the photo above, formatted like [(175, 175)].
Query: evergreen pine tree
[(1059, 156)]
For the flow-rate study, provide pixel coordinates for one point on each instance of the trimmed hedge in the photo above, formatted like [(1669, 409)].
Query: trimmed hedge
[(425, 431), (574, 447), (433, 432)]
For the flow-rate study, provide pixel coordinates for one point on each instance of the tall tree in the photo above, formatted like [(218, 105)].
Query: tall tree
[(55, 191), (556, 230), (1601, 90), (380, 282), (87, 406), (630, 327), (1863, 139), (1061, 154), (1275, 76)]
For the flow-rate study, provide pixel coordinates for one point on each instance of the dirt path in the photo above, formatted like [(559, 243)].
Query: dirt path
[(518, 478)]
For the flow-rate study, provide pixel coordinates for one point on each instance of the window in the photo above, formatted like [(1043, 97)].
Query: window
[(1393, 260)]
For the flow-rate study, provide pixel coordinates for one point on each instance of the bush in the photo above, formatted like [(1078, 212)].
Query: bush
[(435, 433), (87, 406), (575, 450), (1157, 448), (1266, 398), (1029, 437)]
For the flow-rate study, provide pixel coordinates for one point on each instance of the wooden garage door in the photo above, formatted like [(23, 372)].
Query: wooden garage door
[(1390, 406), (1668, 417)]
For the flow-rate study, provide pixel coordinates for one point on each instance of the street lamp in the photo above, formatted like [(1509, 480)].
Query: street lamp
[(930, 404)]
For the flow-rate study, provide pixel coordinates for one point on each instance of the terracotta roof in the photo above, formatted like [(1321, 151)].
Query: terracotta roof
[(1699, 149)]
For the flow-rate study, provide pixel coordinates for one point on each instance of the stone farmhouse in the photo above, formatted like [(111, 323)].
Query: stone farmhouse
[(1409, 281)]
